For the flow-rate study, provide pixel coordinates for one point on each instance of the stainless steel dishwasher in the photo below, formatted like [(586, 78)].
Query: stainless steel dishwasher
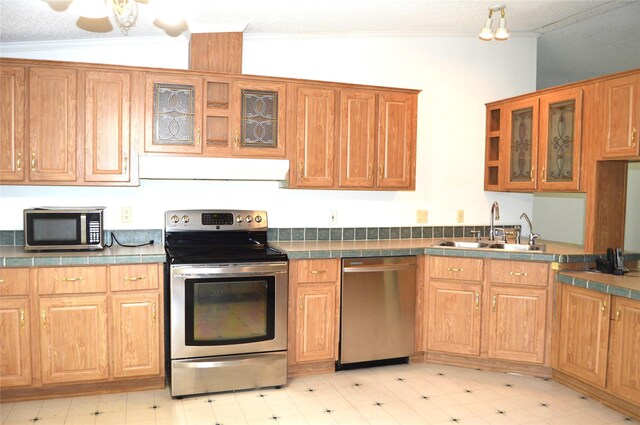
[(377, 318)]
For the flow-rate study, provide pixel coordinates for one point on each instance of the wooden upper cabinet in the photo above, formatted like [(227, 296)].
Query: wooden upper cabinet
[(624, 372), (622, 117), (173, 114), (521, 131), (108, 153), (396, 140), (12, 117), (357, 139), (584, 334), (53, 124), (560, 134), (259, 109), (315, 118)]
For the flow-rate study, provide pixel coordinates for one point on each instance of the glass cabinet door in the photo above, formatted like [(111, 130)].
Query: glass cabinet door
[(560, 131), (522, 131)]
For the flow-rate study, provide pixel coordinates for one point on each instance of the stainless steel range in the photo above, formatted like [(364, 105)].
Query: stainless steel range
[(227, 302)]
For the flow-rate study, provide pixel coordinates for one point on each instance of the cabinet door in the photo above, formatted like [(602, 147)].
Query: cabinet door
[(517, 324), (173, 114), (73, 339), (396, 140), (136, 334), (53, 103), (12, 117), (315, 322), (107, 139), (454, 317), (522, 143), (622, 117), (560, 140), (15, 349), (357, 139), (584, 334), (315, 137), (624, 367), (133, 277), (259, 123), (217, 124)]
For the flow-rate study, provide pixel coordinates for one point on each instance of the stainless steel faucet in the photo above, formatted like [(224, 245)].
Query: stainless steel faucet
[(495, 214), (532, 236)]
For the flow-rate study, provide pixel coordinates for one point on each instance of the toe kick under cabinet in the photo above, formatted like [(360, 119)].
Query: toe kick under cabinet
[(75, 330), (486, 313)]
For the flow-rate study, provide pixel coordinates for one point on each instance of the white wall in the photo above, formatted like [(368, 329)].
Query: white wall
[(457, 75)]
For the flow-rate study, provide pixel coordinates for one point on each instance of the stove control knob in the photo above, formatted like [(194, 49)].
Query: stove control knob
[(258, 218), (175, 218), (249, 219), (185, 219), (239, 219)]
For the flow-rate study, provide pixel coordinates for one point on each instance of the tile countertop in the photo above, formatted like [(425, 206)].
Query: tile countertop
[(627, 286), (16, 256)]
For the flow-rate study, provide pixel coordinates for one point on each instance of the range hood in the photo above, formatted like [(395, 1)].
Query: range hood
[(194, 168)]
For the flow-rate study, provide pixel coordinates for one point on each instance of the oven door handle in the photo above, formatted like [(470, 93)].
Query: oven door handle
[(210, 275)]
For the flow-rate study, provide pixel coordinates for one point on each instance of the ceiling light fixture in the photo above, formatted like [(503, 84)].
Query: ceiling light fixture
[(502, 34), (125, 13)]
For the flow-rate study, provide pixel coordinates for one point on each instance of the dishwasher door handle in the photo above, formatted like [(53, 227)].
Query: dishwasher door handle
[(380, 268)]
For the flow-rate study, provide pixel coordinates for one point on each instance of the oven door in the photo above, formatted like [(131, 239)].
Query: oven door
[(222, 309)]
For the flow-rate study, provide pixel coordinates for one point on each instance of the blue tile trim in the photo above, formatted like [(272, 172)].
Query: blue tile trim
[(597, 286)]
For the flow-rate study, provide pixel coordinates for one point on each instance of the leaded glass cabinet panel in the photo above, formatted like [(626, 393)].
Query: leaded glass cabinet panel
[(522, 130), (560, 131), (173, 114)]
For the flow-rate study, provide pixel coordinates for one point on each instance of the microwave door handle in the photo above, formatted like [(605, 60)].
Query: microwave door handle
[(83, 229)]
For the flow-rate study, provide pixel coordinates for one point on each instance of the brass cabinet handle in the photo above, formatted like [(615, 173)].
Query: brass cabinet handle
[(618, 316), (300, 304), (633, 137), (132, 278), (198, 137), (455, 269), (533, 173), (237, 139), (493, 306), (154, 312), (381, 170), (318, 271), (72, 279), (19, 162), (603, 307), (2, 280), (301, 168), (477, 300), (43, 316), (544, 179), (370, 175), (125, 159), (33, 161), (21, 318), (517, 274)]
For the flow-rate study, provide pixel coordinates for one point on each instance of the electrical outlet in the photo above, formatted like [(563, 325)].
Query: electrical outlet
[(460, 216), (333, 217), (422, 216), (125, 215)]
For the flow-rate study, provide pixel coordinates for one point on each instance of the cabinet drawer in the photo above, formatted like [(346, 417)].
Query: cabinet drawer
[(314, 271), (519, 272), (133, 277), (456, 268), (14, 281), (72, 280)]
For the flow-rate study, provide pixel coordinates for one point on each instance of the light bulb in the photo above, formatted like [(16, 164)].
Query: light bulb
[(502, 33), (486, 33)]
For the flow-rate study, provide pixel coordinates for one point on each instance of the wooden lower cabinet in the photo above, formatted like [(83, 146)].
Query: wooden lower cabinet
[(584, 334), (454, 317), (135, 334), (624, 366), (15, 349), (73, 339), (313, 315)]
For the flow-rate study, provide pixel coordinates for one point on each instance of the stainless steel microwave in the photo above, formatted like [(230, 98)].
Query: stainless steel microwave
[(64, 228)]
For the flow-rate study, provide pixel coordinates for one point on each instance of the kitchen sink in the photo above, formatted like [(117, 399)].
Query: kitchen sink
[(518, 247), (459, 244), (495, 245)]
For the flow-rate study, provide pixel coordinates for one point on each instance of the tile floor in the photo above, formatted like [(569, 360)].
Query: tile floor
[(402, 394)]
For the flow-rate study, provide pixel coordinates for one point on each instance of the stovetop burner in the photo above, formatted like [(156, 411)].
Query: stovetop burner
[(218, 236)]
